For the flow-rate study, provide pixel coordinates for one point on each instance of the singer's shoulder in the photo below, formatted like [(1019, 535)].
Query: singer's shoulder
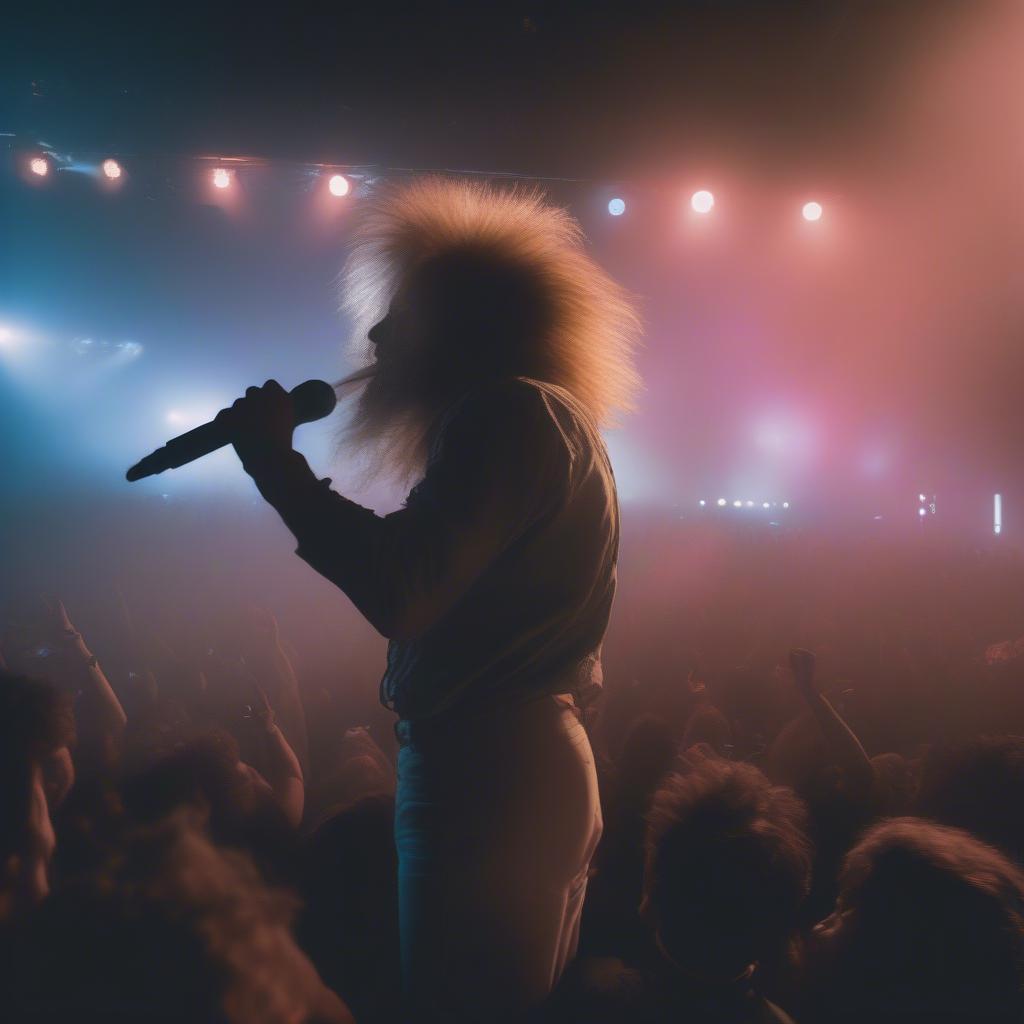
[(512, 401)]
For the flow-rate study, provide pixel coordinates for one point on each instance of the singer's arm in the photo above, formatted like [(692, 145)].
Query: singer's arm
[(501, 462)]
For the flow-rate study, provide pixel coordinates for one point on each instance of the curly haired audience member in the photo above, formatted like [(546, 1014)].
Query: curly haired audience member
[(929, 926), (728, 865)]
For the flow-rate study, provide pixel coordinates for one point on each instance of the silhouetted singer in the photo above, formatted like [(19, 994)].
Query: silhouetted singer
[(498, 349)]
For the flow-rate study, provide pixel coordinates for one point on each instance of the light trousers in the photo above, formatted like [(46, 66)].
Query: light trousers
[(496, 822)]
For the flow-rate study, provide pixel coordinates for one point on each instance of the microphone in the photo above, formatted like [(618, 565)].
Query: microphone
[(312, 400)]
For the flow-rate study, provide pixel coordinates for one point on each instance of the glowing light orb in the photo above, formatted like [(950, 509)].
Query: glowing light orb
[(737, 504), (702, 502), (221, 178), (617, 207), (112, 169), (702, 201), (39, 165), (922, 512), (722, 502), (812, 211), (338, 185)]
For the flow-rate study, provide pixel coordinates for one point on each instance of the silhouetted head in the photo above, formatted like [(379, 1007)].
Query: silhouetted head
[(975, 786), (169, 928), (38, 721), (203, 773), (928, 926), (728, 865), (648, 753), (36, 731), (451, 283)]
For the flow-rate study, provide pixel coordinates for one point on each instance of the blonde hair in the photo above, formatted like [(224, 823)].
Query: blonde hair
[(579, 330)]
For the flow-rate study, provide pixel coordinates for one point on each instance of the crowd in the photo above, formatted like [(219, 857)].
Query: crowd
[(189, 830)]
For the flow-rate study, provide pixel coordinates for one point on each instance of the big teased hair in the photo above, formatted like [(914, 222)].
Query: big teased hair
[(512, 292)]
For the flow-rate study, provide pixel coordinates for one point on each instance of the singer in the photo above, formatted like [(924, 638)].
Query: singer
[(494, 349)]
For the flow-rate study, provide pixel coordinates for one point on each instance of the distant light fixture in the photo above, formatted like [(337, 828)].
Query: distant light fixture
[(812, 211), (40, 166), (737, 504), (221, 177), (111, 169), (922, 512), (722, 502), (702, 201), (617, 207), (785, 504), (750, 504), (766, 504), (338, 185), (702, 502), (997, 514), (921, 497)]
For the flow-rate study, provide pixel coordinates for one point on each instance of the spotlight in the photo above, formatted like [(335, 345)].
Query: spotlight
[(737, 504), (111, 169), (766, 504), (722, 502), (617, 207), (702, 201), (812, 211), (922, 512), (39, 165), (750, 504), (702, 502), (221, 177), (338, 185), (921, 497), (785, 504)]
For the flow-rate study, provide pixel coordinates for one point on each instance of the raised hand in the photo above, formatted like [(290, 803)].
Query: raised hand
[(262, 422), (802, 663)]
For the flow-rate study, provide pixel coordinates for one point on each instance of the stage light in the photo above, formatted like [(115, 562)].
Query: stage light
[(702, 201), (750, 504), (40, 166), (922, 512), (766, 504), (997, 514), (785, 504), (737, 504), (812, 211), (338, 185), (111, 169), (616, 207), (722, 502), (921, 497), (702, 502), (221, 177)]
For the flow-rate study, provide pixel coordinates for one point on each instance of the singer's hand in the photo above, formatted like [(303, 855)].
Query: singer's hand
[(262, 423)]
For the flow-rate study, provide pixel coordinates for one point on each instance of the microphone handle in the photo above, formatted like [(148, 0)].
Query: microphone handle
[(311, 401)]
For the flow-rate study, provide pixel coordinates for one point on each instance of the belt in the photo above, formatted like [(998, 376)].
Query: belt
[(419, 730)]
